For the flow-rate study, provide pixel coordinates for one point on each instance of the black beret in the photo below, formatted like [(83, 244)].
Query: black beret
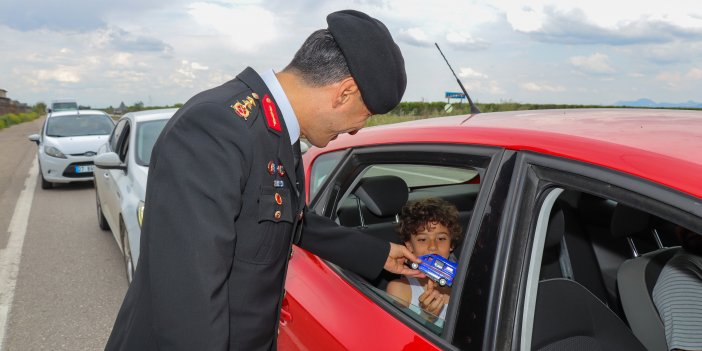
[(373, 58)]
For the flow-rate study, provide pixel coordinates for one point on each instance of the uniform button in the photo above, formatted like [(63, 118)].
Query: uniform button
[(278, 199), (277, 214)]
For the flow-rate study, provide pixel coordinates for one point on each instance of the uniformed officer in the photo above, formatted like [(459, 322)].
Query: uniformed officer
[(225, 194)]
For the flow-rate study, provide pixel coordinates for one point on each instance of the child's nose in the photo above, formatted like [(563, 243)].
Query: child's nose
[(432, 245)]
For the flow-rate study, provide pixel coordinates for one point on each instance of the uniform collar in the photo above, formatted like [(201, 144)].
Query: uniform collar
[(271, 81)]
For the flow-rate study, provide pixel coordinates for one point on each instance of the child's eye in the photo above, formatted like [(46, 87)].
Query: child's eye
[(421, 240)]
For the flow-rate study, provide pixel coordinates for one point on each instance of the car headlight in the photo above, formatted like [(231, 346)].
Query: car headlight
[(140, 213), (52, 151)]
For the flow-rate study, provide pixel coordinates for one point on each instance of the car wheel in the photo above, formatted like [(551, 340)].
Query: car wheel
[(127, 253), (442, 282), (414, 265), (102, 221), (44, 183)]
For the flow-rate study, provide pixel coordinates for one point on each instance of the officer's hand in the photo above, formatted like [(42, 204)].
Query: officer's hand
[(396, 261)]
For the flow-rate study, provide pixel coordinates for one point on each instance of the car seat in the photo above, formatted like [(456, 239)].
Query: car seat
[(637, 276), (569, 254), (569, 317)]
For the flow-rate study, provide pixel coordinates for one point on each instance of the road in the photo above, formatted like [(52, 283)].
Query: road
[(61, 278)]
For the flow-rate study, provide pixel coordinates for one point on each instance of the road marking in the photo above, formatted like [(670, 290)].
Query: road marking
[(452, 180), (10, 255)]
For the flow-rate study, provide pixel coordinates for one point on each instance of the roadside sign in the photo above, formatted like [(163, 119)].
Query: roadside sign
[(455, 95)]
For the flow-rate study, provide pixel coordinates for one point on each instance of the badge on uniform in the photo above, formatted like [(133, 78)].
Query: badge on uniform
[(269, 109), (271, 167), (242, 108), (278, 183)]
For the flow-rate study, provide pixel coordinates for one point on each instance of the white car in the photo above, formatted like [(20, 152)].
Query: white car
[(68, 143), (120, 178)]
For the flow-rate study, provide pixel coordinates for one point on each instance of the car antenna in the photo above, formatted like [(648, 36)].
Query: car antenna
[(473, 109)]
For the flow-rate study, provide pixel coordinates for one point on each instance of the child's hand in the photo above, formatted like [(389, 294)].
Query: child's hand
[(431, 300)]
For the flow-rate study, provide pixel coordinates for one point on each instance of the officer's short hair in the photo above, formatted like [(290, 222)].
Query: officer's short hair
[(319, 61)]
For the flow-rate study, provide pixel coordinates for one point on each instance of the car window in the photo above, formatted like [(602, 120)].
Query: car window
[(79, 125), (321, 168), (116, 134), (123, 143), (146, 135), (424, 175)]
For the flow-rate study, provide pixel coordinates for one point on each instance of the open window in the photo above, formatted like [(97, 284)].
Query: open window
[(369, 187)]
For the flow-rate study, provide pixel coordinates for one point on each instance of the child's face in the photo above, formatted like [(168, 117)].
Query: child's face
[(434, 239)]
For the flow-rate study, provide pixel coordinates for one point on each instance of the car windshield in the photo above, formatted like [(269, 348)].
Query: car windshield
[(147, 133), (79, 125)]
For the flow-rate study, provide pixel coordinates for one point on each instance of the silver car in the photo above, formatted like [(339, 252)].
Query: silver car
[(68, 143), (120, 178)]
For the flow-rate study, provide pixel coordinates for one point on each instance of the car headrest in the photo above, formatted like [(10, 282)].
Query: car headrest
[(595, 210), (383, 195), (556, 227), (627, 221)]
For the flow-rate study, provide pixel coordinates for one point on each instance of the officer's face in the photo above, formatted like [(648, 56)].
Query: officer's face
[(346, 114)]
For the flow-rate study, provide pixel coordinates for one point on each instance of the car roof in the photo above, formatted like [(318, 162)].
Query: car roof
[(656, 144), (151, 115), (77, 112)]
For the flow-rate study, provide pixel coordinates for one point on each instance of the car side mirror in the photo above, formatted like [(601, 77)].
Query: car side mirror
[(35, 138), (48, 110), (109, 160)]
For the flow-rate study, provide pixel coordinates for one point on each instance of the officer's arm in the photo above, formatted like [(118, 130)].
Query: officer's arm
[(194, 198), (345, 247)]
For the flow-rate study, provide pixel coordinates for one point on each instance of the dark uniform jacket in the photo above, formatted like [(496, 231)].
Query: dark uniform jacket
[(218, 228)]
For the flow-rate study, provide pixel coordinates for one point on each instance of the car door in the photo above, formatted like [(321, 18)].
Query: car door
[(328, 308), (552, 265)]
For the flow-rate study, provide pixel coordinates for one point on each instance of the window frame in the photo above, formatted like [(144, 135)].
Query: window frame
[(348, 172), (536, 175)]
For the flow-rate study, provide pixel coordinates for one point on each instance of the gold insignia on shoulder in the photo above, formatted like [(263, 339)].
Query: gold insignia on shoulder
[(241, 110), (249, 102)]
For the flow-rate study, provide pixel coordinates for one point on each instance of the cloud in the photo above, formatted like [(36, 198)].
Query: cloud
[(237, 22), (121, 40), (540, 87), (596, 63), (573, 26), (61, 75), (72, 15), (694, 74), (467, 72), (414, 37), (460, 41)]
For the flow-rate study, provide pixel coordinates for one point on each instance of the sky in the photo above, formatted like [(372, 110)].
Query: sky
[(162, 52)]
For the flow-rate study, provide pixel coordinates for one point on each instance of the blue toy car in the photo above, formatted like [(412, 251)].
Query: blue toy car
[(436, 268)]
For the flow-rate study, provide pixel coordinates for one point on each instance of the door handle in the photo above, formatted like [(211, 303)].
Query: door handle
[(285, 315)]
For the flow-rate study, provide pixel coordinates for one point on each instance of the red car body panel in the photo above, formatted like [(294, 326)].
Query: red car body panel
[(663, 146), (645, 143)]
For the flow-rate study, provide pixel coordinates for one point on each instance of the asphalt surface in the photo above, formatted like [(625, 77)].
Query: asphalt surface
[(71, 279)]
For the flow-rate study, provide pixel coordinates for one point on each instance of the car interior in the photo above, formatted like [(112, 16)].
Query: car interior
[(600, 259)]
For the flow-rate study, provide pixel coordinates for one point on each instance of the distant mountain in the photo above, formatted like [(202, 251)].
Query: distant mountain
[(651, 103)]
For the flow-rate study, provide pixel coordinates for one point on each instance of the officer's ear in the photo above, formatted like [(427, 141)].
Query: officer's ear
[(345, 90)]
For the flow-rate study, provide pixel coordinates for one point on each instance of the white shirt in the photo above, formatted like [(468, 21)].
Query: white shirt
[(286, 109)]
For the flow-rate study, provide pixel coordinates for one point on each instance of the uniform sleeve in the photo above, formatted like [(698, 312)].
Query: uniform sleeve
[(345, 247), (193, 198)]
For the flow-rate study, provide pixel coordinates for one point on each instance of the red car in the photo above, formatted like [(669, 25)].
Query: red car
[(568, 218)]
